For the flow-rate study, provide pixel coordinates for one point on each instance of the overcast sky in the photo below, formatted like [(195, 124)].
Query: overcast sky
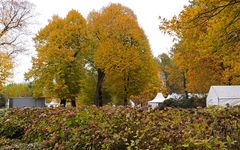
[(147, 11)]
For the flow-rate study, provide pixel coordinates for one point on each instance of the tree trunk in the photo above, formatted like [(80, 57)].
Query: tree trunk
[(73, 102), (185, 86), (125, 102), (98, 97), (126, 92), (186, 94), (63, 102)]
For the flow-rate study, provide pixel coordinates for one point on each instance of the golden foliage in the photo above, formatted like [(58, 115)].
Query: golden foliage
[(208, 43), (122, 51), (61, 45), (5, 69)]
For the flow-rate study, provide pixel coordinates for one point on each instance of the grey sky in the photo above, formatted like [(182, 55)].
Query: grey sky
[(147, 12)]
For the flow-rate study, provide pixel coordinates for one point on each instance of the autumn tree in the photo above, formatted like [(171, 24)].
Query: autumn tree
[(172, 77), (17, 90), (148, 92), (208, 43), (87, 88), (5, 69), (57, 69), (164, 62), (15, 16), (122, 53)]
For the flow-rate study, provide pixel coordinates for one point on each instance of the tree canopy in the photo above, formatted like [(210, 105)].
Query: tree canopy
[(17, 90), (109, 51), (57, 69), (206, 51), (121, 51), (15, 16)]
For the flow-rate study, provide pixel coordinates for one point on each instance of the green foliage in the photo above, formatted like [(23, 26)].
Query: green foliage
[(11, 127), (192, 102), (171, 76), (2, 100), (164, 61), (87, 88), (123, 128), (18, 90)]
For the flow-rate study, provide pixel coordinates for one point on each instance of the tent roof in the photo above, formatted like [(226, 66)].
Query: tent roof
[(226, 91), (53, 102), (174, 96), (158, 99)]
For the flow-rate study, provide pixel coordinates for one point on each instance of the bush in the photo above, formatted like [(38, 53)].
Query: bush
[(122, 128), (192, 102), (2, 101)]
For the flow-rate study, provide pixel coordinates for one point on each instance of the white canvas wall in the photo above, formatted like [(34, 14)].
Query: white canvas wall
[(231, 102), (223, 95)]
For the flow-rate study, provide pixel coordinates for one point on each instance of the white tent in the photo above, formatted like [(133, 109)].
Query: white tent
[(132, 103), (53, 103), (174, 96), (223, 95), (157, 100)]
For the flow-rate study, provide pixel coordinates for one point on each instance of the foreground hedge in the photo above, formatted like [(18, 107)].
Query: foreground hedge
[(120, 128)]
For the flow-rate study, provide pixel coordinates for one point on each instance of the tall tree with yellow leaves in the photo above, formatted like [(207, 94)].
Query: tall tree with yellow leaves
[(208, 43), (61, 46), (122, 53)]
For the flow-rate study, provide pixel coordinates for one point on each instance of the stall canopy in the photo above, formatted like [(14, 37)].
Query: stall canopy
[(174, 96), (157, 100), (223, 95), (53, 103)]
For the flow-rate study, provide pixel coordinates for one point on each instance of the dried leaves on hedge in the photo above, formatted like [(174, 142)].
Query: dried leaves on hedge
[(121, 128)]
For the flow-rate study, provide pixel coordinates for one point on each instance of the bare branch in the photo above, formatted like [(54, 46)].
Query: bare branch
[(14, 19)]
